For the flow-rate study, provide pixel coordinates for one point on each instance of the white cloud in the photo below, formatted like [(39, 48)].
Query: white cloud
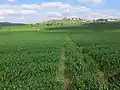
[(32, 13), (1, 17), (11, 0), (92, 1), (104, 14), (28, 12), (6, 11), (54, 13), (30, 6)]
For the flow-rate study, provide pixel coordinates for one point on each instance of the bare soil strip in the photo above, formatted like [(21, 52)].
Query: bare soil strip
[(64, 70), (64, 75)]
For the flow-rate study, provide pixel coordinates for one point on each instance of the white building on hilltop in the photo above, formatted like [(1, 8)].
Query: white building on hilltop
[(111, 20)]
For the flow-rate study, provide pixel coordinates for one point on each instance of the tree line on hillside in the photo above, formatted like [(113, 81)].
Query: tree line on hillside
[(4, 24)]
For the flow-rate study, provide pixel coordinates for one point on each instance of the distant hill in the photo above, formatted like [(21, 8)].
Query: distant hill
[(64, 21), (11, 24)]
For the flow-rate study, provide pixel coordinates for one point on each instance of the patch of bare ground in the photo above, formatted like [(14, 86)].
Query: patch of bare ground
[(64, 75)]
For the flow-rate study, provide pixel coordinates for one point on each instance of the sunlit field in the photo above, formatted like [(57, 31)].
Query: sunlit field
[(73, 57)]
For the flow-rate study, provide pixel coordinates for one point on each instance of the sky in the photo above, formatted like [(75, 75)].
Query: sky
[(34, 11)]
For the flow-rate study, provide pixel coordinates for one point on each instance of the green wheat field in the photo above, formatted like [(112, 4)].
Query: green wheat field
[(72, 57)]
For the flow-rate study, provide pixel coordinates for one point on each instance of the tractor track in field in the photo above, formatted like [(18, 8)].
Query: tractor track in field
[(63, 67), (73, 40), (64, 71)]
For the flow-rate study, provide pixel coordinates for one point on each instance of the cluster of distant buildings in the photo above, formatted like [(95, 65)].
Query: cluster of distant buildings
[(65, 21), (96, 20), (76, 19), (106, 20)]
